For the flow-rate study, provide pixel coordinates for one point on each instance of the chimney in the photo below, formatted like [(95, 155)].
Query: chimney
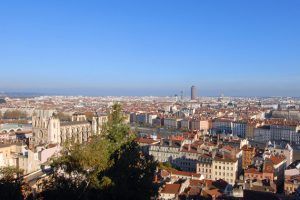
[(189, 147)]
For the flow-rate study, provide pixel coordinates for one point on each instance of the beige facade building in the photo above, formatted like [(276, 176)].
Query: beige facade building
[(225, 169)]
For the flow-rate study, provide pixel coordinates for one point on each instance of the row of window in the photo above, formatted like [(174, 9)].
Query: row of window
[(205, 170), (227, 174), (220, 167)]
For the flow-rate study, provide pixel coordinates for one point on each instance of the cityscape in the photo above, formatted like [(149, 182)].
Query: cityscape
[(160, 100)]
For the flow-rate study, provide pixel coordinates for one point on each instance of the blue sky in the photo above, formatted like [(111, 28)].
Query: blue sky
[(155, 47)]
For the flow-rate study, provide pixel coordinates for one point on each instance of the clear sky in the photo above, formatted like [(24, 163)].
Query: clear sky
[(151, 47)]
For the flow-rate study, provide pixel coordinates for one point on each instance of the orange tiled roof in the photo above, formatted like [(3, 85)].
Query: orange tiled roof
[(171, 189), (277, 159), (184, 173)]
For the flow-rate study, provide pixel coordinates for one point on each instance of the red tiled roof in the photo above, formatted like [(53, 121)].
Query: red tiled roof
[(277, 159), (146, 140), (171, 189), (184, 173)]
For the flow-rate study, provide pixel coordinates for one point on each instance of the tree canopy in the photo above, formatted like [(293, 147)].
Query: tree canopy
[(63, 117), (110, 166), (10, 183), (14, 114)]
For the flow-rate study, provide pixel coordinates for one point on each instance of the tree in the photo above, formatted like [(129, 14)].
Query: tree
[(63, 117), (111, 166), (14, 114), (131, 175), (10, 183), (75, 172), (115, 131)]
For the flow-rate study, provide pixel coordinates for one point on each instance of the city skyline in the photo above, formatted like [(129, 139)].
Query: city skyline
[(157, 48)]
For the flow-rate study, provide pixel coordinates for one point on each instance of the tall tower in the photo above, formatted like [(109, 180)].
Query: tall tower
[(181, 95), (193, 93)]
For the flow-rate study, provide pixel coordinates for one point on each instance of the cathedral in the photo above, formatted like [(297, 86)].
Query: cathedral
[(48, 129)]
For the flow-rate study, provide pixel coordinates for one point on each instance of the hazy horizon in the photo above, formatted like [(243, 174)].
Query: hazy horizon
[(103, 93)]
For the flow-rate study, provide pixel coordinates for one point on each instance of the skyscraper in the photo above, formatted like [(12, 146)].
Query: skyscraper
[(193, 93)]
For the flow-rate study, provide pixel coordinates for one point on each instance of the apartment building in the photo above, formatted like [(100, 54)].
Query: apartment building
[(222, 125), (9, 154), (292, 178), (225, 168), (262, 133), (204, 166), (239, 128), (186, 124), (166, 151), (278, 150), (172, 123), (248, 155), (200, 125)]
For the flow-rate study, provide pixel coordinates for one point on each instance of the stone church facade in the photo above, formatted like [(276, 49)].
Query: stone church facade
[(48, 129)]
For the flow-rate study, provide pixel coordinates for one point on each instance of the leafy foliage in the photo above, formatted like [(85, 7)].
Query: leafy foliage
[(63, 117), (131, 176), (167, 166), (111, 166), (14, 114), (10, 184)]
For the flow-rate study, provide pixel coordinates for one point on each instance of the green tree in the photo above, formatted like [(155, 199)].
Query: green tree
[(63, 117), (84, 160), (111, 166), (115, 131), (10, 183), (131, 175), (14, 114)]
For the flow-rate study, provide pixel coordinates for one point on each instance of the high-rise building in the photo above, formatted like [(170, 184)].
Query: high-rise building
[(193, 93)]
